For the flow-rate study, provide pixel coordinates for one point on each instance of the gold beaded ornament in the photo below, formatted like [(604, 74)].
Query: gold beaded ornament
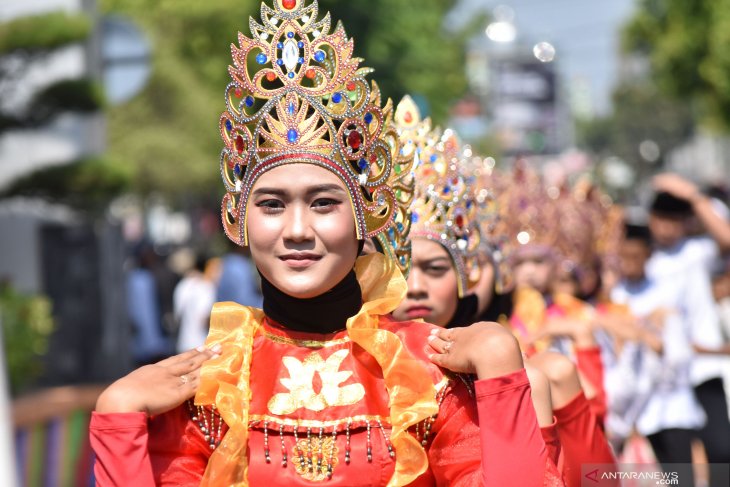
[(298, 96), (446, 209), (395, 242)]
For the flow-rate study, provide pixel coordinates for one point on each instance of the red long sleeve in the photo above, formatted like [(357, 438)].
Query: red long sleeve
[(121, 436), (581, 438), (513, 449), (588, 361)]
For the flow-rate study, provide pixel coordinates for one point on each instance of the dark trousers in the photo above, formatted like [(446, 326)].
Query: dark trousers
[(716, 433), (674, 446)]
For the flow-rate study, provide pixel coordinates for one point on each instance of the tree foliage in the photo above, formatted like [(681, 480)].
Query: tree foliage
[(40, 33), (88, 184), (169, 134), (640, 112), (686, 43)]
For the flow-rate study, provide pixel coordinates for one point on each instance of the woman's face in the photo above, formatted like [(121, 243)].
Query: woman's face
[(301, 229), (534, 271), (432, 286)]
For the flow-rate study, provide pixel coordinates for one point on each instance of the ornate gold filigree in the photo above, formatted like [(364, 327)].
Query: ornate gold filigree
[(324, 453)]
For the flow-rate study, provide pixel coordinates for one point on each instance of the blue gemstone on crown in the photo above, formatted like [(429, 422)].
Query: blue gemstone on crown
[(414, 217), (446, 189), (237, 170), (291, 108), (280, 62), (300, 60), (279, 45), (433, 158), (337, 97), (229, 125), (290, 34), (300, 44), (291, 74), (292, 135), (363, 164), (249, 101), (319, 56), (368, 118), (261, 58)]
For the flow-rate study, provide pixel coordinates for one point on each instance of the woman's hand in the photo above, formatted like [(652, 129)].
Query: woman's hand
[(485, 349), (157, 388), (578, 330)]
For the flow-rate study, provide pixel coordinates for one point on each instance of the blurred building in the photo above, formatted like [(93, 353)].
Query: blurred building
[(520, 97)]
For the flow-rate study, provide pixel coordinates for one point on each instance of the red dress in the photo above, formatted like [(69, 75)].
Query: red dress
[(338, 408), (580, 422)]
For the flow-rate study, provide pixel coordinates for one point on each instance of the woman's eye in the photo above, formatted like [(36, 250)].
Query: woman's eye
[(436, 270), (270, 205), (324, 203)]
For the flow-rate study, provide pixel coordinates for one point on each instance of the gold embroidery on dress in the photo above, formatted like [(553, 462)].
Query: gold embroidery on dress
[(301, 385), (321, 453), (258, 419), (306, 343)]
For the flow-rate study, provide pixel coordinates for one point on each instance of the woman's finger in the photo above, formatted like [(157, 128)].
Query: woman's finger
[(190, 364), (179, 357), (438, 344), (443, 333), (190, 354), (191, 380), (438, 359)]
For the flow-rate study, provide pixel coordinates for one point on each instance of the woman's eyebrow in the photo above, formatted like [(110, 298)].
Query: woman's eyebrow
[(433, 260), (322, 188), (271, 191), (319, 188)]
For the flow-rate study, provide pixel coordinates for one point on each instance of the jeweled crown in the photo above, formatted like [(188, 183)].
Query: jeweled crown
[(298, 96), (446, 209), (396, 242)]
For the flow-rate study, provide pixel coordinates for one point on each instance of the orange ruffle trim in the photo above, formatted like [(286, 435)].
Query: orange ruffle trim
[(225, 381)]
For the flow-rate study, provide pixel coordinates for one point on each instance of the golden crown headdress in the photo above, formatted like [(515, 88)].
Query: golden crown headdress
[(396, 242), (527, 215), (446, 210), (298, 95)]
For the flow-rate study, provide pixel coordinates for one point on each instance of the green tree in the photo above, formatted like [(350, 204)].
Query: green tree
[(640, 112), (168, 135), (30, 41), (686, 44), (27, 41)]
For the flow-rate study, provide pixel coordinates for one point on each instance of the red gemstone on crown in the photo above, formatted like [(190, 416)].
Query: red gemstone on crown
[(354, 140), (239, 144), (238, 92), (408, 117), (271, 76), (459, 221), (289, 4), (351, 86), (309, 73)]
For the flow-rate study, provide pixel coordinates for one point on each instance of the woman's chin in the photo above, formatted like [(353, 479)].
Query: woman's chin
[(300, 289)]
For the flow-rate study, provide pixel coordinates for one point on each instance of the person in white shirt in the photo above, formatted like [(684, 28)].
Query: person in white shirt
[(677, 259), (192, 302), (660, 401)]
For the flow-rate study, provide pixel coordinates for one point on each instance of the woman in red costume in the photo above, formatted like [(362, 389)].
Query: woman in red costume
[(446, 238), (320, 385), (544, 238)]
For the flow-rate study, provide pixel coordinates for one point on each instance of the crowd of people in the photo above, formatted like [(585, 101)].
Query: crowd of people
[(426, 319)]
